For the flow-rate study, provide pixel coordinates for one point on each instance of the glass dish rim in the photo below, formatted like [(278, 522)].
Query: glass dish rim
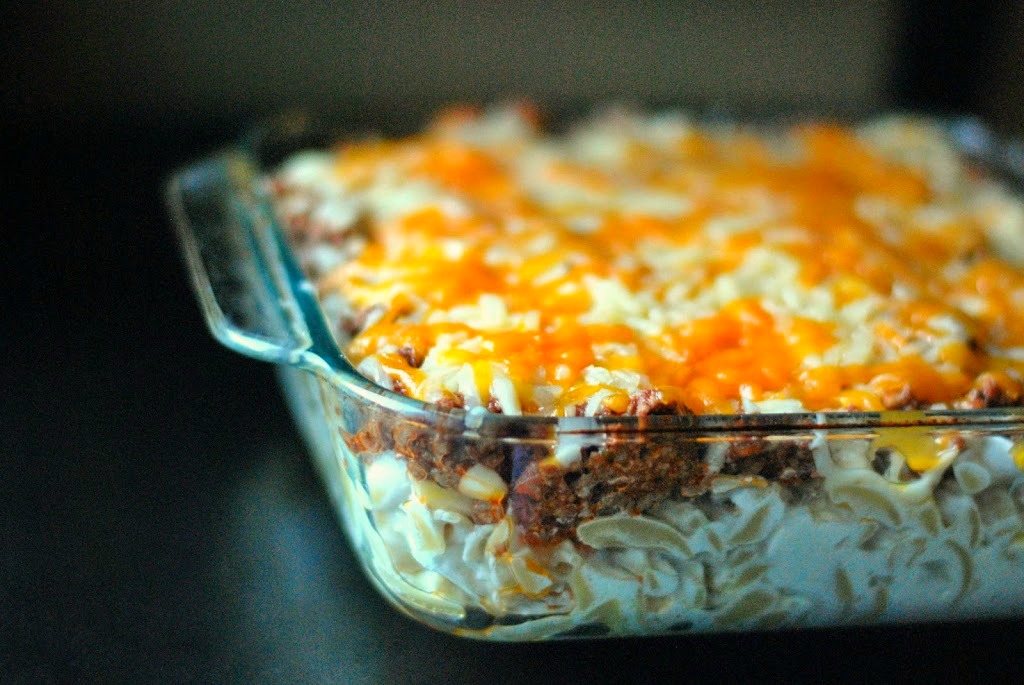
[(1001, 158)]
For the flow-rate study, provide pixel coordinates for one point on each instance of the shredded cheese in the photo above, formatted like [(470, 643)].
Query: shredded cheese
[(820, 267)]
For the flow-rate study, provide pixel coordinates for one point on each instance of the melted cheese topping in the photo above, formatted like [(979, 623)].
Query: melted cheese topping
[(718, 270)]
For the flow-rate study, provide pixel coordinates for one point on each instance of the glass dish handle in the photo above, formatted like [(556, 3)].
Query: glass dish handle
[(245, 301)]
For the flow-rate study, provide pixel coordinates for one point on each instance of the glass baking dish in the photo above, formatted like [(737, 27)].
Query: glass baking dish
[(434, 500)]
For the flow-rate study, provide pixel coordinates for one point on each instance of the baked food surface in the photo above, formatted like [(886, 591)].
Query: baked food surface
[(645, 264)]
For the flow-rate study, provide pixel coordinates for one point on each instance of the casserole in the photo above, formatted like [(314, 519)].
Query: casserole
[(639, 506)]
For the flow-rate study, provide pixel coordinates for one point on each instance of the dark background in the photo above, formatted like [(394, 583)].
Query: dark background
[(159, 519)]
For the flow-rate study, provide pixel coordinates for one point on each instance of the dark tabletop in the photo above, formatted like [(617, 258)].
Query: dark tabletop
[(160, 518)]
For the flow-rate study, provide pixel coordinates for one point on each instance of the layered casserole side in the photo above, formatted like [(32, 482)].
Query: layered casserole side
[(642, 265)]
